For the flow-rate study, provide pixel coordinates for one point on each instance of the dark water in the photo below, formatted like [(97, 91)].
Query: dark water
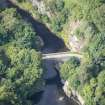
[(52, 44), (51, 41)]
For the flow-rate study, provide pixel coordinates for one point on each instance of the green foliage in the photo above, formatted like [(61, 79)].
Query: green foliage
[(69, 67), (82, 8), (26, 69), (97, 48), (45, 18), (88, 77), (59, 14), (21, 1), (2, 67), (24, 35), (98, 17), (20, 65), (59, 5), (7, 96), (86, 30), (88, 95), (55, 5), (14, 29)]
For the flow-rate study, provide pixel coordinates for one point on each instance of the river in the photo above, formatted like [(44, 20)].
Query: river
[(53, 93)]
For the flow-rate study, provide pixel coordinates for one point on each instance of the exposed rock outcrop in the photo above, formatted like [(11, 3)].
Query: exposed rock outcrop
[(40, 5), (73, 93), (74, 43), (42, 9)]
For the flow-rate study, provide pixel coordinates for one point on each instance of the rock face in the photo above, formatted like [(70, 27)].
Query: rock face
[(72, 93), (42, 9), (40, 5), (74, 43), (66, 89)]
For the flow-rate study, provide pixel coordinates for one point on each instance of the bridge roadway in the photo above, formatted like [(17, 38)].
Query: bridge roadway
[(61, 55)]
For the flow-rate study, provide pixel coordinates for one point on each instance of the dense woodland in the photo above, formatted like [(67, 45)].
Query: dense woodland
[(20, 61)]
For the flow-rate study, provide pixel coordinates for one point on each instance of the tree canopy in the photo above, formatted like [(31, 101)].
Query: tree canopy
[(20, 62)]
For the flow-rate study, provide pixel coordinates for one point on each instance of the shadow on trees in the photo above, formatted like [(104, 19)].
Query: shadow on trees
[(51, 41), (36, 97)]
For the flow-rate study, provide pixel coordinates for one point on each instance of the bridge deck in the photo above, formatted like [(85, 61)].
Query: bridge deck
[(60, 55)]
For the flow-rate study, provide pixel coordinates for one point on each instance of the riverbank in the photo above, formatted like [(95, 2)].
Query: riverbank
[(53, 92), (73, 94)]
